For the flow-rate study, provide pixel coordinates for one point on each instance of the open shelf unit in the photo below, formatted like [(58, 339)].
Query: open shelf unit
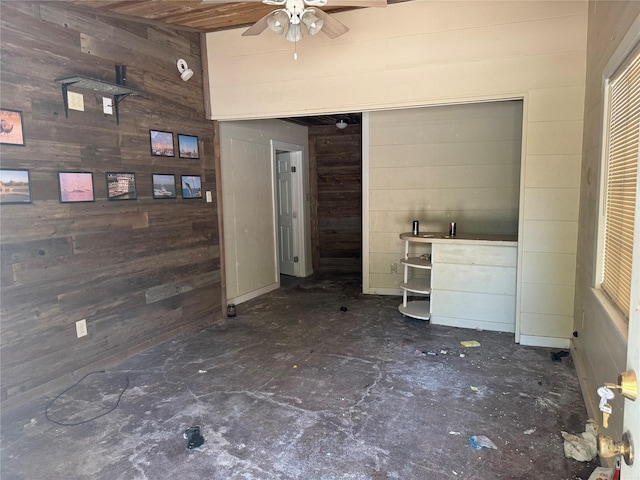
[(421, 286)]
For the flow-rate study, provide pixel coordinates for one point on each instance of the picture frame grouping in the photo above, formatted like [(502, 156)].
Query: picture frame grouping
[(79, 187), (163, 145)]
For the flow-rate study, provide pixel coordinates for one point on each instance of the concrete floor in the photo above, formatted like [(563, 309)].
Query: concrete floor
[(293, 388)]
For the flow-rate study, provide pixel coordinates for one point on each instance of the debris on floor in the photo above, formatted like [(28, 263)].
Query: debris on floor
[(557, 356), (582, 446), (193, 437), (481, 441), (473, 388), (602, 473), (343, 309), (470, 343), (530, 431)]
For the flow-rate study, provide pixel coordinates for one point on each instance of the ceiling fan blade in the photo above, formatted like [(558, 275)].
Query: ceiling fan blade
[(357, 3), (258, 27), (331, 27)]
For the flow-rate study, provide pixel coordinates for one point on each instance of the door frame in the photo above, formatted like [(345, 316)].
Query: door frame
[(298, 195)]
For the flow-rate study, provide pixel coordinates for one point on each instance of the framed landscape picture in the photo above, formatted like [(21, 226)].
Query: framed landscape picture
[(188, 146), (11, 127), (191, 186), (15, 186), (164, 185), (161, 143), (76, 187), (121, 186)]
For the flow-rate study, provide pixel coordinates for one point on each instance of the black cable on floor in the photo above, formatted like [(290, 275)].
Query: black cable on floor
[(46, 410)]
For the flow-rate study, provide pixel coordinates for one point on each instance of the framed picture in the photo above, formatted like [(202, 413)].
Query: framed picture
[(121, 186), (191, 186), (76, 187), (164, 185), (15, 186), (161, 143), (188, 146), (11, 127)]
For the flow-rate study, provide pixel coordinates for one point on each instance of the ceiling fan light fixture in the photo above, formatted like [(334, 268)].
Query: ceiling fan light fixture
[(278, 21), (312, 22), (341, 124), (294, 34)]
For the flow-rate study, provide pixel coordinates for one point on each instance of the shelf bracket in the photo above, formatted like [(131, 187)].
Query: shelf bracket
[(116, 105), (65, 99)]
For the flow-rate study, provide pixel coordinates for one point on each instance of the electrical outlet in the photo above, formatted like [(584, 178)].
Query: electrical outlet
[(81, 328), (394, 268)]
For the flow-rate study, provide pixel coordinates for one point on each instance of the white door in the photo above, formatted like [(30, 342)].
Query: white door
[(286, 252), (631, 421)]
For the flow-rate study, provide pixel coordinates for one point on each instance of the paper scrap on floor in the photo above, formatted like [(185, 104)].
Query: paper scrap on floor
[(470, 343), (602, 473)]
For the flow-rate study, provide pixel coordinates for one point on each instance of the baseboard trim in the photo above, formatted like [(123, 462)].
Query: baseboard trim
[(549, 342)]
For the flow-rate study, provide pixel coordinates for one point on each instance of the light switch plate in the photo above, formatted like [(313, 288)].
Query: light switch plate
[(209, 197), (81, 328), (107, 105)]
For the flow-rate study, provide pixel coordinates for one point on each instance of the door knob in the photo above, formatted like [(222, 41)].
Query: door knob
[(627, 384), (607, 447)]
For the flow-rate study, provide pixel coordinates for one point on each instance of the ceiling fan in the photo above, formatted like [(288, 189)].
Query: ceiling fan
[(294, 13)]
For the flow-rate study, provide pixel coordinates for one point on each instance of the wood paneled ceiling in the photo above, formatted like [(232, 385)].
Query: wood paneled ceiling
[(193, 14)]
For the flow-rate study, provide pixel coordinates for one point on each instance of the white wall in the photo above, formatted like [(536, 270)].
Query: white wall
[(248, 203), (433, 52), (438, 165), (601, 345)]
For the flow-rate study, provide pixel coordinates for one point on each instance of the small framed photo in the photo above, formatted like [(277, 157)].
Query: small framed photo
[(188, 146), (164, 185), (161, 143), (15, 186), (76, 187), (121, 186), (11, 127), (191, 186)]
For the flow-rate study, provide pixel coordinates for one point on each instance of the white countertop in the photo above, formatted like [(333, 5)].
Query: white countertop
[(463, 238)]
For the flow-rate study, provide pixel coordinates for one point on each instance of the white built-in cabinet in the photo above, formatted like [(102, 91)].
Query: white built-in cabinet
[(464, 281)]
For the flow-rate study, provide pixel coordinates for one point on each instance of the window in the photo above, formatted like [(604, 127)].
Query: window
[(621, 157)]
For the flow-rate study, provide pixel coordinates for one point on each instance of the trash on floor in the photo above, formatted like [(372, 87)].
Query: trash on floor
[(530, 431), (474, 389), (343, 309), (557, 356), (193, 436), (470, 343), (582, 446), (480, 441), (202, 371), (602, 473)]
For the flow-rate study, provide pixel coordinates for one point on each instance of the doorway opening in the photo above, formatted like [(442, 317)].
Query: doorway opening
[(289, 211)]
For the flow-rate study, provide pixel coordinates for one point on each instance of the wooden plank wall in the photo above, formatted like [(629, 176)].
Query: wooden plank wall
[(336, 198), (140, 271)]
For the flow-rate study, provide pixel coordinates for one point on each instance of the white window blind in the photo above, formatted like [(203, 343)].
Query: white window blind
[(622, 174)]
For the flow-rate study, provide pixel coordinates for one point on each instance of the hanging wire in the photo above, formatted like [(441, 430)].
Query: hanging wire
[(46, 410)]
